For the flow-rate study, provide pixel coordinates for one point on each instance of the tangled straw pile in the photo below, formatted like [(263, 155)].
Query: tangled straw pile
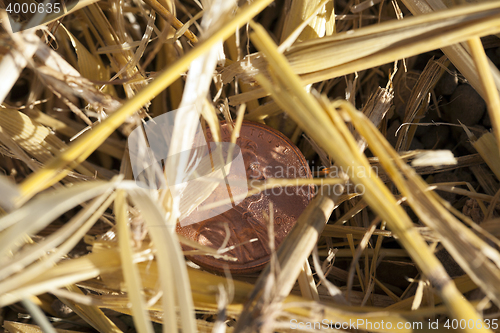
[(75, 86)]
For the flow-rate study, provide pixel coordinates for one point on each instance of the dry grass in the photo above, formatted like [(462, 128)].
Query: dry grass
[(82, 242)]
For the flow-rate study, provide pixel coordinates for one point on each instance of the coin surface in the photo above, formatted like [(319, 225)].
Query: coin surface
[(266, 154)]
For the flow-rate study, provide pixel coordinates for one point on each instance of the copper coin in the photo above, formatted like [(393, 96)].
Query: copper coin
[(266, 154)]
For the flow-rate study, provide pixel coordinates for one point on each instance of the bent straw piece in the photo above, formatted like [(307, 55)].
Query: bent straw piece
[(88, 143), (337, 140), (129, 268), (173, 275)]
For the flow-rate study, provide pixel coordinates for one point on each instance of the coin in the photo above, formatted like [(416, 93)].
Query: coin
[(266, 154)]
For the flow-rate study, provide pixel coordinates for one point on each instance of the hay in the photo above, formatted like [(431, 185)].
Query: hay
[(77, 233)]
